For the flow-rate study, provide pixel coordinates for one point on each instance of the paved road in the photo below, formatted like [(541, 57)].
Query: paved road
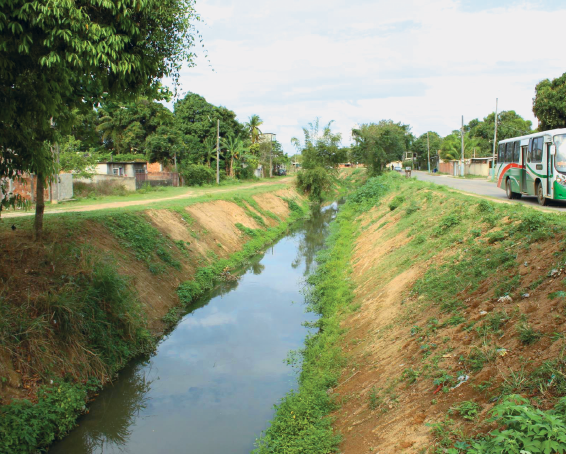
[(484, 188)]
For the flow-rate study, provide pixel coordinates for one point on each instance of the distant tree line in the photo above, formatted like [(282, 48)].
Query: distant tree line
[(376, 144), (144, 129)]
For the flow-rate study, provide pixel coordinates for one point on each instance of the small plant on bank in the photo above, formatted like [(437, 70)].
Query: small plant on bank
[(467, 410), (527, 334), (396, 202)]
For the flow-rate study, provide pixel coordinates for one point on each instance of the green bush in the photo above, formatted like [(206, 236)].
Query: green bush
[(314, 182), (197, 175), (396, 202), (25, 427), (525, 429)]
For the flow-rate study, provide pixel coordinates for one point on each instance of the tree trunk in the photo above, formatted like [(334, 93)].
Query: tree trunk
[(39, 208), (232, 167)]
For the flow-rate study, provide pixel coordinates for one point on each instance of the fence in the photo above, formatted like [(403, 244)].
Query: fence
[(157, 179)]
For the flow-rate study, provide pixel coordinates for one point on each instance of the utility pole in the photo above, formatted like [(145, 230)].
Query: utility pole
[(428, 148), (270, 158), (462, 134), (218, 152), (494, 141)]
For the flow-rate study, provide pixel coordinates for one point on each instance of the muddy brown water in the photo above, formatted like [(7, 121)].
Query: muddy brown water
[(211, 385)]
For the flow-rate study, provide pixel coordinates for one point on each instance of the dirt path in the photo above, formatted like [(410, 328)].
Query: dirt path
[(188, 195)]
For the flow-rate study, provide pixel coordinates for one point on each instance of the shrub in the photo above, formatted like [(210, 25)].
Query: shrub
[(396, 202), (197, 175), (527, 429), (314, 182), (100, 189)]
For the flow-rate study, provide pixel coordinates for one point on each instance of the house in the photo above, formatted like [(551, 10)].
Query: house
[(121, 168)]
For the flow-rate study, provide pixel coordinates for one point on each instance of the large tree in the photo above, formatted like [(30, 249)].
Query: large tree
[(196, 120), (376, 144), (420, 146), (61, 55), (509, 124), (549, 103)]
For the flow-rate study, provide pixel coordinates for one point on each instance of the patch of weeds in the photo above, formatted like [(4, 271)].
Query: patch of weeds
[(559, 294), (495, 237), (507, 286), (527, 334), (373, 399), (245, 230), (412, 208), (484, 206), (479, 356), (524, 428), (446, 223), (419, 239), (454, 320), (157, 268), (171, 317), (396, 202), (355, 307), (410, 375), (467, 410), (475, 233), (493, 323)]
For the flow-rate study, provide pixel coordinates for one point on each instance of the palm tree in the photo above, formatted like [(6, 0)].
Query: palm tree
[(451, 149), (253, 127), (234, 148), (209, 150)]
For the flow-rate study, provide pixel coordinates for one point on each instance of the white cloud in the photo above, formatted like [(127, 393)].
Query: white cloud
[(420, 62)]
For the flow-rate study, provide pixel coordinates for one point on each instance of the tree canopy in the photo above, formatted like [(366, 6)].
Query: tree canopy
[(377, 144), (549, 103)]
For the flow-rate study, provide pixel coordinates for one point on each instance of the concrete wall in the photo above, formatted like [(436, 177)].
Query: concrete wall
[(63, 190), (477, 168), (26, 187), (128, 182), (446, 167)]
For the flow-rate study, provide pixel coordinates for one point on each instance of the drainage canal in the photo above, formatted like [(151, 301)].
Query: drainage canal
[(211, 385)]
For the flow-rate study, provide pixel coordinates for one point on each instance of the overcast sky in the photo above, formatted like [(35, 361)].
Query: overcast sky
[(424, 63)]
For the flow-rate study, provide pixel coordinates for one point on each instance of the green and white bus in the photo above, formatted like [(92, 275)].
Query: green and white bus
[(533, 165)]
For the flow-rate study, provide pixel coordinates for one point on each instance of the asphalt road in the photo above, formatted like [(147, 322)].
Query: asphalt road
[(483, 188)]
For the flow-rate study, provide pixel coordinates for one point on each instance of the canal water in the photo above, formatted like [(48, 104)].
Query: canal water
[(211, 385)]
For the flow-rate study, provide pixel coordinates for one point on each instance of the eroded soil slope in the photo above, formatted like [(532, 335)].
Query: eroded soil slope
[(153, 251), (458, 302)]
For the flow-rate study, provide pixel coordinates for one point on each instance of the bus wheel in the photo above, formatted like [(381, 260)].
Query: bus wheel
[(542, 200), (509, 192), (508, 189)]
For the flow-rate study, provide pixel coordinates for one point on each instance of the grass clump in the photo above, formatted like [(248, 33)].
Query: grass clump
[(136, 233)]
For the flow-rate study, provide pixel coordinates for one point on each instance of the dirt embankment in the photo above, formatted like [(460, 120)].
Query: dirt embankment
[(417, 351), (154, 250)]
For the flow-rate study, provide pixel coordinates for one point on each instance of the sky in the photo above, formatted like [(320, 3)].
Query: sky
[(423, 63)]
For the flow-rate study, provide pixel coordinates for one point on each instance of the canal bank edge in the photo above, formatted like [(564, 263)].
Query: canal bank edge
[(104, 288), (437, 311)]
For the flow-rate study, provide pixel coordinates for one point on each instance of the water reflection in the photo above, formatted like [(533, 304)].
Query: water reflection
[(311, 237), (211, 386)]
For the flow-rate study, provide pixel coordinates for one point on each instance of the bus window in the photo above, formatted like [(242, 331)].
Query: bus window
[(516, 152), (536, 152), (509, 152), (501, 153)]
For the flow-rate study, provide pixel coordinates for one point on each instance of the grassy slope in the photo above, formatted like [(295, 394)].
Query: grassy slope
[(69, 320), (449, 322)]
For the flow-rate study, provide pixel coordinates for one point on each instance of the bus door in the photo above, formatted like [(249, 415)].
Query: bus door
[(549, 169), (524, 168), (536, 165)]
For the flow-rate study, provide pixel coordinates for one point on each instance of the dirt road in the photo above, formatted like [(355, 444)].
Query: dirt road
[(191, 193)]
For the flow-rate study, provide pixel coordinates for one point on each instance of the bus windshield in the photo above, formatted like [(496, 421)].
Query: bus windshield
[(560, 158)]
